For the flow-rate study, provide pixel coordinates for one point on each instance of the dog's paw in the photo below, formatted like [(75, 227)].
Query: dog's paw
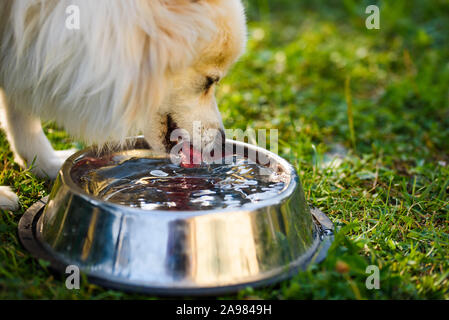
[(8, 199), (64, 154), (49, 168)]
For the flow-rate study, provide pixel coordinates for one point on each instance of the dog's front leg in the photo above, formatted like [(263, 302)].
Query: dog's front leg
[(8, 199), (29, 143)]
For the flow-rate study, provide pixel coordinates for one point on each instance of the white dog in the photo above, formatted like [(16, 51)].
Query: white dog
[(133, 66)]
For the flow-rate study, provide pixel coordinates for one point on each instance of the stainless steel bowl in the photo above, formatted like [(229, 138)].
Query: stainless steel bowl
[(174, 252)]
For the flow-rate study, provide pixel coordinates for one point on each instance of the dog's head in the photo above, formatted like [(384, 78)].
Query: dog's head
[(133, 67), (201, 45)]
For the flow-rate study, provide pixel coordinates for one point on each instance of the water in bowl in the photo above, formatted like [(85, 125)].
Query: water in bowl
[(158, 184)]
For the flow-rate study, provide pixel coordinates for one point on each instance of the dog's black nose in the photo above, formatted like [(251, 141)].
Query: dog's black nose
[(223, 136), (219, 145), (221, 139)]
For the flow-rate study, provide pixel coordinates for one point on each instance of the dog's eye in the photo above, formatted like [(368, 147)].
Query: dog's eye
[(210, 81)]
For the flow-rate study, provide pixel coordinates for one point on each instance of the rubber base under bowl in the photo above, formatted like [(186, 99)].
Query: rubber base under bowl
[(29, 239)]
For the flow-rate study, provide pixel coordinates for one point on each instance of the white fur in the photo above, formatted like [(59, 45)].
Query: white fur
[(8, 199), (131, 63)]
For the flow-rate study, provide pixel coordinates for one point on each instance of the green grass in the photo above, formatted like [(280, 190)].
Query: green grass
[(315, 73)]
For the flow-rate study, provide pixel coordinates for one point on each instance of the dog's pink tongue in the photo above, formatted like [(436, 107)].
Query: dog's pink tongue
[(190, 157)]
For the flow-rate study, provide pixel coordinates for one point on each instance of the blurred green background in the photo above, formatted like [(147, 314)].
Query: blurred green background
[(362, 114)]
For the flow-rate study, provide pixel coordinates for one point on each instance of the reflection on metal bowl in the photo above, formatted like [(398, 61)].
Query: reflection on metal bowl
[(176, 252)]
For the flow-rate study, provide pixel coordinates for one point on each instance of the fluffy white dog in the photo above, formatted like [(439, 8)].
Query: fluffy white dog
[(134, 66)]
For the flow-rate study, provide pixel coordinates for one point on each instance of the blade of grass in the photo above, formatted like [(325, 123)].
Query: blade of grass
[(348, 97)]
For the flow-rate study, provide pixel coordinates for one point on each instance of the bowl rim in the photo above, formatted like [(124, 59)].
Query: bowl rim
[(287, 191)]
